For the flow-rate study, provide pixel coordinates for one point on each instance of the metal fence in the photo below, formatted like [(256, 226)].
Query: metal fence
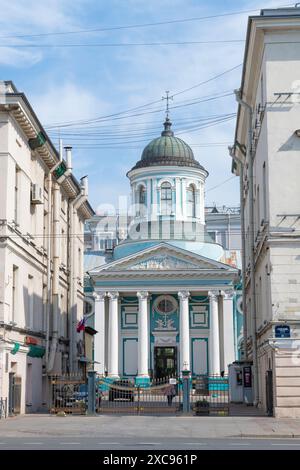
[(123, 396), (209, 395), (69, 394), (3, 408)]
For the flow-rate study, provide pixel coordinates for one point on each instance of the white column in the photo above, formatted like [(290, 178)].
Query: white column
[(214, 340), (99, 341), (113, 335), (228, 329), (143, 335), (184, 330)]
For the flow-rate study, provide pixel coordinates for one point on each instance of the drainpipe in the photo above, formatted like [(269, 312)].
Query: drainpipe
[(245, 328), (73, 207), (56, 260), (252, 245), (49, 287)]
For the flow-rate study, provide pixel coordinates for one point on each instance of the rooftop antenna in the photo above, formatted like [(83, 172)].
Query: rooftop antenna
[(167, 98)]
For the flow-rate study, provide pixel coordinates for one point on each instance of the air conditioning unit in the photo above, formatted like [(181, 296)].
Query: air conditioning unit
[(37, 194)]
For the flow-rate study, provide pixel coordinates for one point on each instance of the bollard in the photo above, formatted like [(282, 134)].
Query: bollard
[(186, 391), (91, 392)]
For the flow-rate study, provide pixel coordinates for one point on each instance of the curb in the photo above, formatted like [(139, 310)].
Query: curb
[(269, 436)]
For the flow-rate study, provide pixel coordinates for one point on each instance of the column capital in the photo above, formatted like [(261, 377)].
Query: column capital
[(214, 294), (98, 296), (227, 294), (113, 295), (142, 295), (183, 295)]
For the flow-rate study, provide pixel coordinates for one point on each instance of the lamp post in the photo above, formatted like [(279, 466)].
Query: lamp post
[(186, 388)]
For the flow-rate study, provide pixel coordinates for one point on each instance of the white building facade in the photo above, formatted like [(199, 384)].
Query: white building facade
[(164, 301), (266, 157), (41, 263)]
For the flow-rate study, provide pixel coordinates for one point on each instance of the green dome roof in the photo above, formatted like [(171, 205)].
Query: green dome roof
[(167, 150)]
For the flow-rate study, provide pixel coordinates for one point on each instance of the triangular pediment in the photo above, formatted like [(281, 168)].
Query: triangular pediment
[(162, 257)]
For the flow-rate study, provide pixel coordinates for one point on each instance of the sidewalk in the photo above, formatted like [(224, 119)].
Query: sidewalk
[(149, 426)]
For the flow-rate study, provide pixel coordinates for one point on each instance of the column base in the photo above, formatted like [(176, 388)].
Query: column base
[(142, 381)]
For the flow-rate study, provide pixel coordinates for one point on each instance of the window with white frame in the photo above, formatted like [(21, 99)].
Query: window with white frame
[(166, 198)]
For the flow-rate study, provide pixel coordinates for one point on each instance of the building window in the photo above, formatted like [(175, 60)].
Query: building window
[(165, 304), (191, 201), (166, 199), (142, 195), (212, 236)]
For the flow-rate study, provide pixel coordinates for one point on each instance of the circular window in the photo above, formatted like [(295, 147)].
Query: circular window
[(165, 304)]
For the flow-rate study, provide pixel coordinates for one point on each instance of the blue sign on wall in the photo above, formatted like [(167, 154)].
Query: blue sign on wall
[(282, 331)]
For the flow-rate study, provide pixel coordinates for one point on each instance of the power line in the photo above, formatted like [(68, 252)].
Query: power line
[(101, 118), (123, 44), (134, 26)]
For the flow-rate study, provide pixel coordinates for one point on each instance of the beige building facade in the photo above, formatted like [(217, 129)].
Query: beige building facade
[(266, 158), (42, 213)]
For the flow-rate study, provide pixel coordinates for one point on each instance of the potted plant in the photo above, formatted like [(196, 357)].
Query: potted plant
[(201, 407)]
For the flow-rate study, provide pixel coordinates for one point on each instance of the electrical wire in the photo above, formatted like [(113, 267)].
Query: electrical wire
[(123, 44), (134, 26)]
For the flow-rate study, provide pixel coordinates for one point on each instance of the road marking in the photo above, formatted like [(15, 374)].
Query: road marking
[(32, 443), (70, 443), (108, 443), (239, 443), (149, 443), (284, 444), (195, 443)]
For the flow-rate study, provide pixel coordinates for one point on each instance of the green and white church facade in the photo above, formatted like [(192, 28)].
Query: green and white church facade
[(164, 301)]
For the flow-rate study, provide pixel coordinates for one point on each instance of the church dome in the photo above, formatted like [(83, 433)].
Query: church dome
[(167, 150)]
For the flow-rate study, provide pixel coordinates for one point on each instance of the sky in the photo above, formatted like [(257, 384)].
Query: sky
[(104, 92)]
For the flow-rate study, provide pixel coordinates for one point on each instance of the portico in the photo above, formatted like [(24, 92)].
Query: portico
[(174, 312)]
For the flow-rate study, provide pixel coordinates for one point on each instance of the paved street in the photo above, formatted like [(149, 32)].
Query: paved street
[(119, 443), (148, 432)]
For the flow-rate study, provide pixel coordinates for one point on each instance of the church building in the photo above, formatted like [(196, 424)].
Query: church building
[(164, 302)]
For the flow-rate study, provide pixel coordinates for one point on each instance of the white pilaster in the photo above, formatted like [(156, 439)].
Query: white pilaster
[(178, 199), (113, 335), (183, 199), (149, 208), (214, 339), (228, 329), (99, 341), (184, 330), (143, 336)]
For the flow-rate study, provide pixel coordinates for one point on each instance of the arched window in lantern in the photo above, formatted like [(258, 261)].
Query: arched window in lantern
[(166, 198), (142, 195), (191, 201)]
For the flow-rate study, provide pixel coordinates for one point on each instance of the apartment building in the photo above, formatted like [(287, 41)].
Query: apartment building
[(42, 213), (266, 158)]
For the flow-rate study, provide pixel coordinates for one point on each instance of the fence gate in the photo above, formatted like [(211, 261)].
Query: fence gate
[(210, 395), (68, 394), (163, 396)]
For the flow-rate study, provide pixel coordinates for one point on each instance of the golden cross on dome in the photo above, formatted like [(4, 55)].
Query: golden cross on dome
[(167, 98)]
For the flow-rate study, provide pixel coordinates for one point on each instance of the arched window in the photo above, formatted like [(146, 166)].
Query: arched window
[(166, 198), (191, 201), (142, 195)]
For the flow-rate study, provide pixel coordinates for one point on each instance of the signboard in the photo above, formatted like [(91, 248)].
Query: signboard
[(172, 381), (282, 331), (247, 377)]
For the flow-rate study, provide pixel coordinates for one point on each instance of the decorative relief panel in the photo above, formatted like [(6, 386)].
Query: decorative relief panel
[(129, 313), (162, 262), (199, 312)]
